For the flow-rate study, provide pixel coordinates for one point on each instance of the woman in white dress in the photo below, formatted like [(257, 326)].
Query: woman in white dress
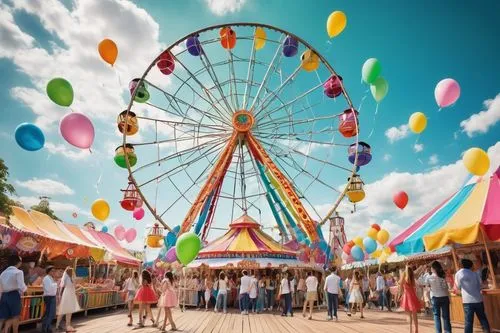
[(355, 295), (68, 303)]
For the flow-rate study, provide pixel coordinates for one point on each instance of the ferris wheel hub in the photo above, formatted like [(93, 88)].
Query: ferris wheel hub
[(243, 121)]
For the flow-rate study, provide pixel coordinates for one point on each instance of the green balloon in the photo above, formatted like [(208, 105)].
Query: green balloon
[(379, 89), (187, 247), (60, 91), (371, 70)]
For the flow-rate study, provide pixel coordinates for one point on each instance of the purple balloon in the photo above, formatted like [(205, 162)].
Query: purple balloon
[(171, 256), (77, 129)]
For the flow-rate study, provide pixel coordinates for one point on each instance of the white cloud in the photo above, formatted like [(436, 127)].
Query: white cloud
[(11, 37), (56, 206), (71, 153), (46, 186), (433, 160), (223, 7), (387, 157), (418, 147), (482, 121), (397, 133)]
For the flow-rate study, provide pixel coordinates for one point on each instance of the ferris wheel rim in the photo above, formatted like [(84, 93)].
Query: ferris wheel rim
[(322, 59)]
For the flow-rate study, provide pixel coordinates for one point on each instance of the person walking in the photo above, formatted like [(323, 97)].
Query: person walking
[(261, 294), (130, 286), (440, 297), (12, 286), (68, 303), (221, 287), (469, 284), (355, 295), (270, 290), (49, 298), (380, 286), (409, 301), (168, 300), (253, 293), (244, 292), (311, 293), (332, 287), (145, 296), (286, 293)]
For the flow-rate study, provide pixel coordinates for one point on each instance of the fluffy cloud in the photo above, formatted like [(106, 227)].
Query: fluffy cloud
[(223, 7), (433, 160), (418, 147), (482, 121), (46, 186), (397, 133), (56, 206), (11, 37), (66, 151)]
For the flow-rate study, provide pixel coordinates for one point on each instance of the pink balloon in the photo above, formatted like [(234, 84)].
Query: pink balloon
[(120, 232), (138, 213), (447, 92), (130, 235), (171, 255), (77, 129)]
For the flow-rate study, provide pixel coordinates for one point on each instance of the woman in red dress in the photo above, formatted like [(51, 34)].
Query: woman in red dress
[(145, 297), (410, 302)]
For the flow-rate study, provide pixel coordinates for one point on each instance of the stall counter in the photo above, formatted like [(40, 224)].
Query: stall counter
[(491, 299)]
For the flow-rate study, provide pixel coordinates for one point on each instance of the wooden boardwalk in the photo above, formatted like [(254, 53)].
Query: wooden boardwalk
[(193, 321)]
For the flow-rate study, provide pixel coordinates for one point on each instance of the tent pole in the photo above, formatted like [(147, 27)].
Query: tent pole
[(490, 265), (454, 255)]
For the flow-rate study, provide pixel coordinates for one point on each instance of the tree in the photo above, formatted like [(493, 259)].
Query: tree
[(6, 189), (44, 207)]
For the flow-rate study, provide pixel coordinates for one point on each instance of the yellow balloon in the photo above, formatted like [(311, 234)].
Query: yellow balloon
[(372, 233), (383, 258), (376, 253), (259, 38), (476, 161), (387, 250), (100, 209), (417, 122), (358, 241), (336, 23), (382, 236), (309, 61)]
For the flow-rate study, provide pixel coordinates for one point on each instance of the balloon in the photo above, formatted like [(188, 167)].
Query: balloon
[(259, 38), (77, 129), (383, 236), (171, 256), (60, 91), (130, 235), (29, 137), (170, 238), (476, 161), (120, 233), (447, 92), (358, 241), (138, 213), (400, 199), (176, 229), (108, 51), (100, 209), (379, 89), (387, 250), (370, 244), (417, 122), (351, 243), (336, 23), (376, 253), (382, 258), (347, 249), (357, 253), (371, 70), (372, 233), (188, 246), (104, 228), (376, 226)]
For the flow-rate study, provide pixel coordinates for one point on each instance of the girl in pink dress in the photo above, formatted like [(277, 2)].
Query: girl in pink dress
[(410, 302), (168, 299), (145, 296)]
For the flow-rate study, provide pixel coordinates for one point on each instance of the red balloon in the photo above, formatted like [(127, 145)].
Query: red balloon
[(400, 199), (347, 249), (375, 226)]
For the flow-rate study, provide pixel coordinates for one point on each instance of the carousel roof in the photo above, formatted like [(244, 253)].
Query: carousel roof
[(245, 238)]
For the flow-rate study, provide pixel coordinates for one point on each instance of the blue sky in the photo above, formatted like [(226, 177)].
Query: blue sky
[(417, 43)]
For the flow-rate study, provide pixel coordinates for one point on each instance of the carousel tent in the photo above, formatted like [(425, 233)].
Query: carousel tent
[(460, 219)]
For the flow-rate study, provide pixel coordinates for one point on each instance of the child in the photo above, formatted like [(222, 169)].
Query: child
[(168, 300), (145, 296)]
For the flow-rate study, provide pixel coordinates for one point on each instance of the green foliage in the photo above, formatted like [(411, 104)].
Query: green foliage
[(6, 189), (43, 207)]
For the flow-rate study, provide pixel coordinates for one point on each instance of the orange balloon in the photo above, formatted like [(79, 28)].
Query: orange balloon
[(108, 51)]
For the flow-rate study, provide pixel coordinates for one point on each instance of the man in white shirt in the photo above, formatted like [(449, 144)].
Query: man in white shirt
[(245, 284), (11, 287), (332, 287), (380, 283), (49, 298)]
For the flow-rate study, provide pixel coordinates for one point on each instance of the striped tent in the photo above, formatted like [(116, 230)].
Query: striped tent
[(461, 219)]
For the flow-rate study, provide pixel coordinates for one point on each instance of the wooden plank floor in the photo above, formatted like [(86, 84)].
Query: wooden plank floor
[(193, 321)]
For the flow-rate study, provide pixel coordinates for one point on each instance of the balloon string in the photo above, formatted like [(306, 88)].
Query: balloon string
[(119, 78), (98, 179), (376, 109)]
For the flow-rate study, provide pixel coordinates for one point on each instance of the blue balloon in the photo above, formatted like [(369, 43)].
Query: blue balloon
[(176, 229), (357, 253), (29, 137), (369, 244), (104, 229), (171, 238)]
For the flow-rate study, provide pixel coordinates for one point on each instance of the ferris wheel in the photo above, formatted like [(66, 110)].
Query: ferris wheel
[(236, 119)]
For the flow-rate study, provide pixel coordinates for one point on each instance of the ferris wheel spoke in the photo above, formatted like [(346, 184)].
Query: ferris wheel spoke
[(268, 71), (285, 120), (250, 72), (296, 136), (179, 123), (180, 139), (232, 75), (280, 122), (213, 75)]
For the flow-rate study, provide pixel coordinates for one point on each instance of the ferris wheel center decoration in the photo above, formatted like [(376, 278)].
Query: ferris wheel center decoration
[(246, 122)]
